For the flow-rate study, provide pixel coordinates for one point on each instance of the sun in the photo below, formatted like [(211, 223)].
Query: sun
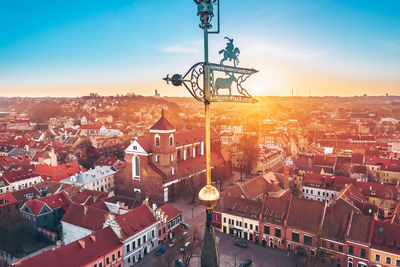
[(257, 90)]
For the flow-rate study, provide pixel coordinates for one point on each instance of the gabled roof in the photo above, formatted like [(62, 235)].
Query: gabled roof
[(54, 201), (239, 206), (135, 221), (88, 197), (7, 199), (274, 210), (360, 228), (336, 221), (386, 237), (84, 216), (162, 124), (170, 211), (305, 214), (59, 172), (383, 191), (77, 253)]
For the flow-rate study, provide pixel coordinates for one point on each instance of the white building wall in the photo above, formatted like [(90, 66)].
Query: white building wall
[(316, 193), (72, 232)]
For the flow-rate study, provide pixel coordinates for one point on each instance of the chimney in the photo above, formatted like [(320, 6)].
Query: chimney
[(285, 177), (146, 201), (82, 243), (85, 209), (93, 237)]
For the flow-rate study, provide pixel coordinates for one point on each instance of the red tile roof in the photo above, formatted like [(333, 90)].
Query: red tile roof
[(87, 217), (75, 254), (135, 221), (383, 191), (54, 201), (57, 173), (88, 197), (94, 126), (162, 124), (305, 214), (386, 237), (170, 211), (7, 199)]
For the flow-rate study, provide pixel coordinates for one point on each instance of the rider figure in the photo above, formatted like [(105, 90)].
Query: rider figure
[(229, 45)]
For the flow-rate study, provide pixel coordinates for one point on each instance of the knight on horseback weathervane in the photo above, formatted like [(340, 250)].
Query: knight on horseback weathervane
[(207, 82), (230, 52)]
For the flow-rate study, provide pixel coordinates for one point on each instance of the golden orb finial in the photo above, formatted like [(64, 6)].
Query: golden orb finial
[(209, 196)]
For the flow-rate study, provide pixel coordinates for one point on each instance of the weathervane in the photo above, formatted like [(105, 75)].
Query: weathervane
[(203, 83)]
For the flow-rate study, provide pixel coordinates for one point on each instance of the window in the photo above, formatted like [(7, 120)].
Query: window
[(363, 253), (172, 171), (323, 243), (340, 248), (171, 157), (157, 140), (257, 228), (119, 254), (128, 248), (397, 262), (388, 260), (277, 232), (224, 220), (136, 167), (266, 229), (351, 250), (100, 264), (113, 257), (295, 237), (144, 239), (107, 260), (308, 240), (251, 227), (152, 233), (157, 158), (139, 242), (332, 246), (377, 257), (171, 140)]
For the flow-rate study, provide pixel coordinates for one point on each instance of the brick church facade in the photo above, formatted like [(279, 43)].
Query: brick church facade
[(158, 162)]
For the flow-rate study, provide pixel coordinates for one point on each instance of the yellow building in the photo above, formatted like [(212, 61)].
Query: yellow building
[(385, 244)]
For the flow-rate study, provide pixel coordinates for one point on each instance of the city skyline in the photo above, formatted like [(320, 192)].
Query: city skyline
[(326, 48)]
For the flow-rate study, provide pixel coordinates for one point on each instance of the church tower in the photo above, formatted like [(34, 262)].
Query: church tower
[(162, 144)]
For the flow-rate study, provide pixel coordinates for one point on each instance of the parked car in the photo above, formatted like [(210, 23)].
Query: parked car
[(246, 263), (179, 263), (186, 226), (240, 244), (160, 251), (187, 244), (172, 243)]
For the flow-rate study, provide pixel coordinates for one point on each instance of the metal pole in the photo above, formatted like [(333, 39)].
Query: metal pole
[(207, 107)]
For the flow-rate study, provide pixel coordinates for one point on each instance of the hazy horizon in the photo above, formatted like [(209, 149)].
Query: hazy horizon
[(330, 48)]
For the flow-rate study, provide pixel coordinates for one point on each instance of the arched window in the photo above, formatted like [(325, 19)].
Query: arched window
[(157, 158), (172, 171), (136, 167), (171, 140), (171, 157), (157, 140)]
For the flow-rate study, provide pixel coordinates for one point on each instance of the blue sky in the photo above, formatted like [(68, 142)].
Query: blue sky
[(65, 48)]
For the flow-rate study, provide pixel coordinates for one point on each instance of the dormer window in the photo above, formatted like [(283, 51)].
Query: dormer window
[(134, 147), (157, 140)]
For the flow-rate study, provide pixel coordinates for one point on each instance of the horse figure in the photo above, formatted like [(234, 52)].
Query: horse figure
[(230, 52), (224, 83)]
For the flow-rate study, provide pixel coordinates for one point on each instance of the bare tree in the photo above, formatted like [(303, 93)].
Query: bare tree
[(195, 238), (194, 183), (167, 260), (249, 153)]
